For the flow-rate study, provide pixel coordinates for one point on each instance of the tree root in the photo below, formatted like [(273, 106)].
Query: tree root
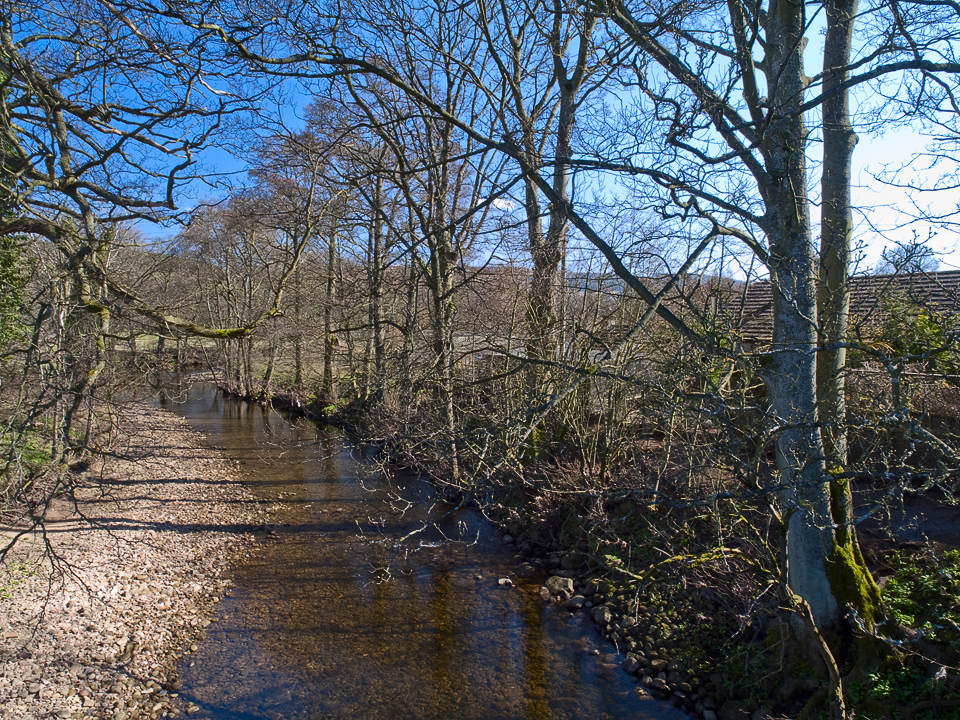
[(834, 692)]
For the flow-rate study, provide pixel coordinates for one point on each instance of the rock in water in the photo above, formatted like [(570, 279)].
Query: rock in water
[(576, 602), (602, 615), (557, 585)]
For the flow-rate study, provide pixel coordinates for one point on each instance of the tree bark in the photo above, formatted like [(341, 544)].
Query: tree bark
[(376, 269), (836, 230), (327, 390), (792, 379)]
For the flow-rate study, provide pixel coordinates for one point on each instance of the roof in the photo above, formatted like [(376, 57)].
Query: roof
[(751, 312)]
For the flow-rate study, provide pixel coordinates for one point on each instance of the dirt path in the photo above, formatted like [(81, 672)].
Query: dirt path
[(96, 613)]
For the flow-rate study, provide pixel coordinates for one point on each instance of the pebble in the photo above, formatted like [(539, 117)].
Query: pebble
[(117, 622)]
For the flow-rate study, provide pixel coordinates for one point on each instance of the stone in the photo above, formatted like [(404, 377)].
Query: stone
[(732, 710), (505, 582), (709, 715), (544, 593), (658, 665), (557, 584), (630, 665), (602, 615), (575, 603), (658, 684)]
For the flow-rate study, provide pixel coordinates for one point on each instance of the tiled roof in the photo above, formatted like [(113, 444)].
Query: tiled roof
[(751, 313)]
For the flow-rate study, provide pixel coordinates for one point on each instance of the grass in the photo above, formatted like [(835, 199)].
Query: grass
[(13, 574)]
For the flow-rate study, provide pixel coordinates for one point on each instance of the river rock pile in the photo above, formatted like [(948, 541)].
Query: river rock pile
[(664, 678), (97, 611)]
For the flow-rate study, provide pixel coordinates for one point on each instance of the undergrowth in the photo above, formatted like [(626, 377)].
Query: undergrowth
[(924, 593)]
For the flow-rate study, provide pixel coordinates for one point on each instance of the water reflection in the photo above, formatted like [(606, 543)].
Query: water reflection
[(334, 617)]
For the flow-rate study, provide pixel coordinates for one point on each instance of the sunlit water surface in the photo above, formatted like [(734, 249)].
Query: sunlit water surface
[(343, 613)]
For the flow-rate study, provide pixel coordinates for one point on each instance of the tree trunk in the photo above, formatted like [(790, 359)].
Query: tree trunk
[(266, 391), (792, 380), (327, 390), (409, 330), (442, 257), (836, 230), (297, 333), (375, 307)]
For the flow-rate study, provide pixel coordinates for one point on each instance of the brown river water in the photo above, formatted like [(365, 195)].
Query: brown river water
[(341, 612)]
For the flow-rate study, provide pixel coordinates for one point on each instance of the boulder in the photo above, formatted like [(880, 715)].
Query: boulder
[(602, 615), (658, 665), (576, 602), (557, 585)]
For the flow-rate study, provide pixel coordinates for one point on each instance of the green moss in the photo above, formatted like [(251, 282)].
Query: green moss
[(852, 584)]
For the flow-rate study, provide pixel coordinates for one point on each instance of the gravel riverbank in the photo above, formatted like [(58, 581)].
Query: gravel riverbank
[(96, 612)]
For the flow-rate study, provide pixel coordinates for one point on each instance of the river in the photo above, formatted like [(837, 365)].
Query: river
[(367, 597)]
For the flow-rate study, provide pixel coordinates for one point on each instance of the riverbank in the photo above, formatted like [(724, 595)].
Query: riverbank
[(687, 592), (99, 609)]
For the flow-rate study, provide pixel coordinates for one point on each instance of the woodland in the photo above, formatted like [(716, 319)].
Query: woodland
[(519, 246)]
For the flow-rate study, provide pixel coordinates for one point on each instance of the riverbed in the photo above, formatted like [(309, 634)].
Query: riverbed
[(365, 596)]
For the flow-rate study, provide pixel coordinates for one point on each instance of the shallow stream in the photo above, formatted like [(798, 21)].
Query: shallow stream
[(366, 597)]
